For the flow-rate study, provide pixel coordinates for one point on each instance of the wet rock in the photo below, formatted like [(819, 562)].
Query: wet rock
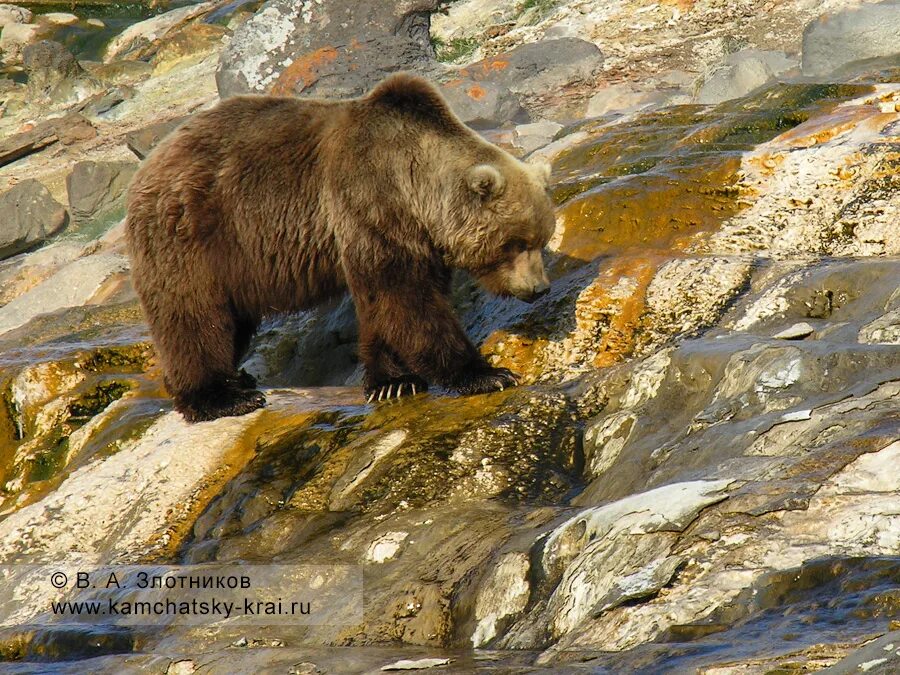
[(30, 216), (140, 40), (142, 141), (853, 34), (54, 75), (71, 286), (14, 14), (741, 73), (415, 664), (686, 296), (826, 187), (59, 18), (97, 189), (334, 49)]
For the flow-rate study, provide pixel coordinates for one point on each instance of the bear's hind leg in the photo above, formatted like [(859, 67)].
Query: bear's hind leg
[(198, 354)]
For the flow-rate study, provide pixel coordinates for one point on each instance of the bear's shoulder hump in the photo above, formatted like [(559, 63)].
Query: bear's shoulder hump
[(414, 96)]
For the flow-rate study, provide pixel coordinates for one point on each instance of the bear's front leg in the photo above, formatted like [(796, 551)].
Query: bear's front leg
[(409, 335), (386, 376)]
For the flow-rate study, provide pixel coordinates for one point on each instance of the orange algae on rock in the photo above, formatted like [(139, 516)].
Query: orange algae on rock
[(304, 70)]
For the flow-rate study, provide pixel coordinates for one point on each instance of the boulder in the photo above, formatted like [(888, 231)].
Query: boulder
[(14, 14), (854, 34), (14, 38), (54, 75), (139, 40), (743, 72), (97, 189), (30, 215), (494, 90), (483, 105), (340, 48)]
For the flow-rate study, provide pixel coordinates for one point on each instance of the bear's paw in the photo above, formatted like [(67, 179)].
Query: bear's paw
[(219, 402), (485, 380)]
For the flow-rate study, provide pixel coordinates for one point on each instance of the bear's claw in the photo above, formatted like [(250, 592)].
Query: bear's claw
[(408, 385), (486, 381)]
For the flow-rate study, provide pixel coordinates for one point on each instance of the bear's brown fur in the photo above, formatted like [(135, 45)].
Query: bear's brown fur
[(264, 204)]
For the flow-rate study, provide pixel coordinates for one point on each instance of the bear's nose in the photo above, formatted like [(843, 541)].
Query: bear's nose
[(534, 294)]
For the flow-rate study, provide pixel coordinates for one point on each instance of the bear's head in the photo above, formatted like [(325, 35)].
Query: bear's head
[(509, 218), (483, 210)]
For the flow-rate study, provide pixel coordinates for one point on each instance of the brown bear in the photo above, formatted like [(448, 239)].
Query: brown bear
[(264, 204)]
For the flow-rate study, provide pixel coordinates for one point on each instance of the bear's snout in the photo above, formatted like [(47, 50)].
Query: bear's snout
[(534, 295), (529, 278)]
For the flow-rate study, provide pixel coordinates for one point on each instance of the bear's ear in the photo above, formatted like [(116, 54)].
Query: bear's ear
[(485, 180), (542, 169)]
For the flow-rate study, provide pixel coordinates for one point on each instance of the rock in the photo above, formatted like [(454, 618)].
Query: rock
[(839, 38), (142, 141), (10, 14), (623, 97), (462, 19), (23, 144), (14, 38), (139, 39), (495, 90), (30, 216), (96, 189), (71, 286), (796, 332), (101, 103), (529, 137), (416, 664), (483, 105), (186, 46), (340, 48), (73, 128), (741, 73), (549, 65), (95, 23), (54, 75), (23, 272), (59, 18), (121, 72)]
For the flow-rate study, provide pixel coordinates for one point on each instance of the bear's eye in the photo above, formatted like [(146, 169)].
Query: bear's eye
[(515, 246)]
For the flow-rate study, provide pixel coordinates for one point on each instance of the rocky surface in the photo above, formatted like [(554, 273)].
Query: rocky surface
[(699, 471)]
